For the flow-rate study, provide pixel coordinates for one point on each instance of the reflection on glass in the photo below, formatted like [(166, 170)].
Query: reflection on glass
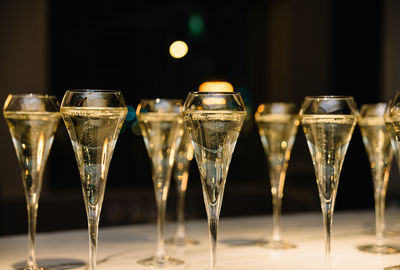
[(161, 124), (32, 121), (213, 121), (93, 119), (183, 156), (215, 86), (377, 142), (277, 125), (328, 123)]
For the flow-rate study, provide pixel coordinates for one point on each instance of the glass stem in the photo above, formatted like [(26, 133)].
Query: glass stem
[(276, 217), (213, 220), (379, 216), (381, 178), (277, 180), (180, 230), (32, 207), (327, 213), (161, 203), (93, 213), (277, 194)]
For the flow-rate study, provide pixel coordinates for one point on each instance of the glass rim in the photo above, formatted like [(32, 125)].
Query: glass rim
[(331, 97), (374, 104), (110, 91), (214, 93), (290, 108), (161, 99), (27, 95), (279, 102)]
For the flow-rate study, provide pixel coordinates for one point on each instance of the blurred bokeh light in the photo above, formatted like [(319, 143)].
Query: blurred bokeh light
[(178, 49)]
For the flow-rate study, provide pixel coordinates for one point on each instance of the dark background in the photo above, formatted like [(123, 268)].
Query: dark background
[(275, 50)]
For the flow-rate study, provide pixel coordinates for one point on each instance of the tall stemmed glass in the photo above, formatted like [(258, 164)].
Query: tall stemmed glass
[(377, 142), (328, 123), (392, 119), (32, 120), (395, 146), (183, 156), (161, 123), (93, 119), (213, 121), (277, 125)]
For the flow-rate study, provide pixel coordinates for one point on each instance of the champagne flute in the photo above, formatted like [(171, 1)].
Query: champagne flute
[(214, 121), (377, 142), (93, 119), (328, 123), (277, 125), (392, 118), (32, 120), (161, 124), (395, 148), (183, 156)]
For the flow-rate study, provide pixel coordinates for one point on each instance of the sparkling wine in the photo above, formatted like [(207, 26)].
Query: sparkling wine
[(183, 157), (214, 135), (377, 141), (277, 133), (395, 117), (93, 132), (32, 134), (393, 139), (161, 136), (328, 137)]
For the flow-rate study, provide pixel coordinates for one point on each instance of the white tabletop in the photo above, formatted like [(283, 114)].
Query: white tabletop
[(121, 247)]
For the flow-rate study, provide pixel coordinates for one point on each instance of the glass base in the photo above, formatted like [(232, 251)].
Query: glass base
[(384, 249), (396, 267), (163, 261), (182, 241), (32, 268), (386, 233), (276, 244)]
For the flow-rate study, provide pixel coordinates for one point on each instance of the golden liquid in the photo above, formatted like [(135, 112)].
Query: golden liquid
[(32, 135), (184, 155), (395, 125), (214, 135), (377, 142), (393, 138), (328, 137), (93, 133), (161, 133), (277, 133)]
